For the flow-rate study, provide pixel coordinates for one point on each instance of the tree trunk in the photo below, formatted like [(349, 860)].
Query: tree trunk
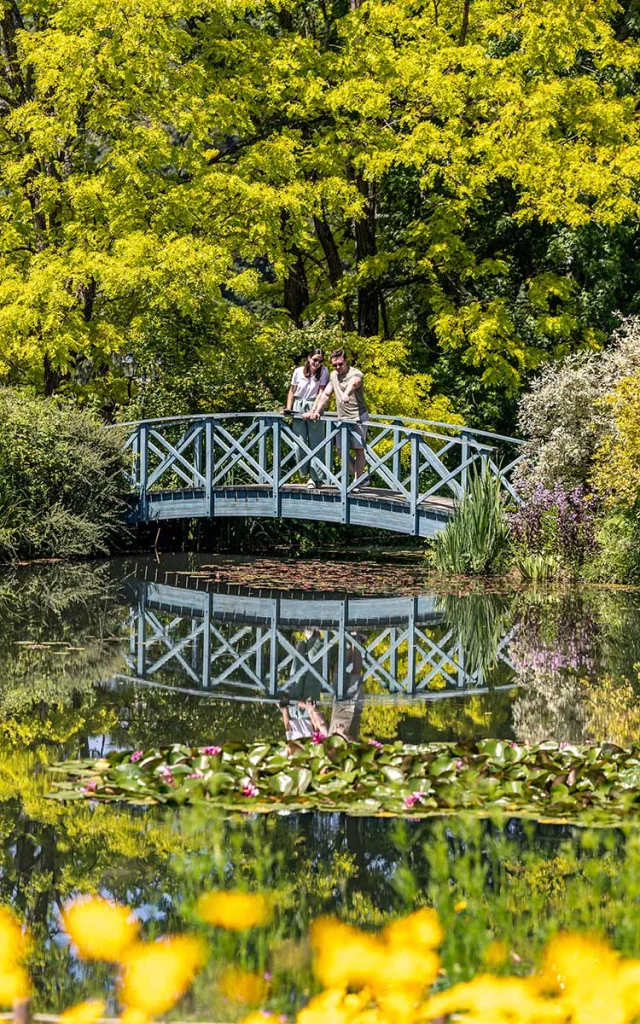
[(296, 286), (334, 263), (365, 236), (52, 376)]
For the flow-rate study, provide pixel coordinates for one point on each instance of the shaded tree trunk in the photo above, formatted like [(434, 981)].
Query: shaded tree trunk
[(52, 376), (334, 263), (296, 286), (365, 236)]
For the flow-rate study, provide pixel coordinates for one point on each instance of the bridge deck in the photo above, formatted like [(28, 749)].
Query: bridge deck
[(368, 506)]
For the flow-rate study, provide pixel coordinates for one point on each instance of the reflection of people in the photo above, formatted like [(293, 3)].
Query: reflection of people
[(346, 711), (301, 719), (299, 713), (306, 383)]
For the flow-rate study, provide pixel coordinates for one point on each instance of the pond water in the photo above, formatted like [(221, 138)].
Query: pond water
[(132, 653)]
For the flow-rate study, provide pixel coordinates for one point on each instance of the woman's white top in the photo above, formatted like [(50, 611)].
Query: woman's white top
[(307, 388)]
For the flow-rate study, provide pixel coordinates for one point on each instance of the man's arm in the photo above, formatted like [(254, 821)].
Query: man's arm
[(355, 382), (320, 402)]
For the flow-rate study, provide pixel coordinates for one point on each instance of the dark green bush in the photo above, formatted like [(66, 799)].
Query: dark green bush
[(60, 479)]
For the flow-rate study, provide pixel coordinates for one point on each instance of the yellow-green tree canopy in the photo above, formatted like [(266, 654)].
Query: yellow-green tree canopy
[(195, 172)]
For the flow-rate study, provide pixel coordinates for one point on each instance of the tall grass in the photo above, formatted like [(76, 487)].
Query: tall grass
[(475, 543)]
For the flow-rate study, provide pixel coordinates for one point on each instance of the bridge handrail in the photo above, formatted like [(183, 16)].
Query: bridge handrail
[(404, 421)]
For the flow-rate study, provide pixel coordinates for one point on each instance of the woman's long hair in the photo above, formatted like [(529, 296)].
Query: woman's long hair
[(307, 366)]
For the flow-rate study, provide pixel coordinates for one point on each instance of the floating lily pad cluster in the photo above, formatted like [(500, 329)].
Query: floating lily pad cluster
[(598, 784)]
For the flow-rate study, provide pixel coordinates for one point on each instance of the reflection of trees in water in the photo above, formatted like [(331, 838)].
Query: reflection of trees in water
[(481, 622), (575, 654)]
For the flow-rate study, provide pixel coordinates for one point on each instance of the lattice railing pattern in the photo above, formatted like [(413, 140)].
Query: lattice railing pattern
[(412, 461)]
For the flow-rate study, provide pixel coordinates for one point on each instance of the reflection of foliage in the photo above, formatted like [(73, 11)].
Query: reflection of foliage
[(567, 643), (481, 621), (612, 711)]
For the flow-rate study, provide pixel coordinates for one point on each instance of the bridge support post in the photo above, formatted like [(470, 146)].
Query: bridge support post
[(277, 497), (144, 470), (464, 455), (344, 472), (208, 467), (415, 484)]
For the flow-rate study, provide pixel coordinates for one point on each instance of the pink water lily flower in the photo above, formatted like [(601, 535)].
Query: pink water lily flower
[(136, 756), (196, 775), (90, 787), (212, 751), (318, 737), (375, 743), (415, 798), (249, 789)]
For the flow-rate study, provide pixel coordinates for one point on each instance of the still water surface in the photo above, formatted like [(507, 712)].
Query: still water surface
[(128, 654)]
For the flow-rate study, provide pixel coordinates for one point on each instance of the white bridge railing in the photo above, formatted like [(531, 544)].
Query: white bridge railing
[(414, 462)]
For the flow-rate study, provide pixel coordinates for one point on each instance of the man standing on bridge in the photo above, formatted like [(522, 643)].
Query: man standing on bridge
[(346, 383)]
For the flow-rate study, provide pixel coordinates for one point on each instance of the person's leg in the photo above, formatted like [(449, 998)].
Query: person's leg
[(358, 440), (299, 428), (315, 435)]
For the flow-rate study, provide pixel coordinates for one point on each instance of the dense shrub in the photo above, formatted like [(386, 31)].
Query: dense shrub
[(566, 417), (553, 531), (60, 479)]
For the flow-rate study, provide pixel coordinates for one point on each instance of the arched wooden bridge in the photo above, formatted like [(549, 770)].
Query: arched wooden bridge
[(265, 645), (253, 464)]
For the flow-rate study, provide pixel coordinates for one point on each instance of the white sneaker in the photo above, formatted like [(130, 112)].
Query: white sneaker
[(311, 485)]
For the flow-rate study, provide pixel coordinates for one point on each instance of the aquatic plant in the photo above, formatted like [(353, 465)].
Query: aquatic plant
[(475, 542), (569, 783)]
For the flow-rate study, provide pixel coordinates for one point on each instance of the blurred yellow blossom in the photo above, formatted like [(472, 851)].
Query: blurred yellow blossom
[(14, 983), (344, 956), (460, 906), (243, 986), (235, 909), (99, 929), (495, 953), (422, 928), (156, 974), (88, 1012)]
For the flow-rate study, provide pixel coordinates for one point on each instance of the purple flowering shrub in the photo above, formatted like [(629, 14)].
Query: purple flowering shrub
[(557, 523)]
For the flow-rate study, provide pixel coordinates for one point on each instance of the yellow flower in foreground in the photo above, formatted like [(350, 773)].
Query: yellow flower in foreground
[(11, 939), (585, 973), (84, 1013), (334, 1007), (14, 985), (156, 974), (421, 929), (491, 1000), (243, 986), (345, 956), (99, 929), (235, 910)]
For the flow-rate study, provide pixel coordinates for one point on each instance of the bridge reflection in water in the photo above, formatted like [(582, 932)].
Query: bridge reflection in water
[(267, 645)]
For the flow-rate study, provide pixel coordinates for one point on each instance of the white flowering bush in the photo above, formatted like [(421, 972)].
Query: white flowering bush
[(566, 417)]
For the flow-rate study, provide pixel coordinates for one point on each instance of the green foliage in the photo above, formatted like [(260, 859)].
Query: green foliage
[(60, 479), (180, 181), (617, 556), (475, 542), (590, 784)]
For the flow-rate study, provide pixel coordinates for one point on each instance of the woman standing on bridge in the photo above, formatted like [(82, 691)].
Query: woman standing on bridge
[(306, 383)]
